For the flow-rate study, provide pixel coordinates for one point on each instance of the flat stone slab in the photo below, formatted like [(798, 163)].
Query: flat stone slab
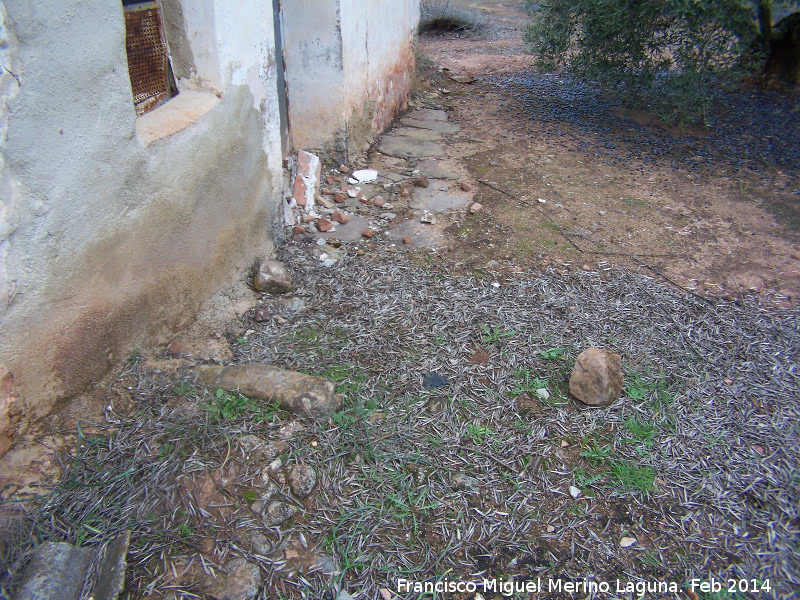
[(440, 126), (418, 134), (350, 232), (56, 572), (435, 200), (432, 170), (402, 146), (295, 392), (428, 114)]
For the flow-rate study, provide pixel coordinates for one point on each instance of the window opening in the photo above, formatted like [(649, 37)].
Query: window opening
[(148, 58)]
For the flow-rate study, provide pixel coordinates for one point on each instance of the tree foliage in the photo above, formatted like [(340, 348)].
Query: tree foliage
[(669, 54)]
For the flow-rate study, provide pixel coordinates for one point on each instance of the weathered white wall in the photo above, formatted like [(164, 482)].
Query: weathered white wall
[(104, 240), (352, 61)]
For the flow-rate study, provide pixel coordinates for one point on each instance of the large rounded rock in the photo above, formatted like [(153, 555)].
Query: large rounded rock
[(597, 377), (272, 278)]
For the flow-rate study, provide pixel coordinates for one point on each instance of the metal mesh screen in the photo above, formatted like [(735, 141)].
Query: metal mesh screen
[(147, 58)]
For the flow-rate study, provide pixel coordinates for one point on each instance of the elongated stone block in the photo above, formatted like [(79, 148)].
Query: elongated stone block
[(56, 572), (298, 393)]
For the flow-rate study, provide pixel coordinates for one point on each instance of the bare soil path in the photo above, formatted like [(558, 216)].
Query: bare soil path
[(716, 211)]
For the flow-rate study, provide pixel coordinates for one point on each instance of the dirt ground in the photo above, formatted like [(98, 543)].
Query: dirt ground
[(704, 224)]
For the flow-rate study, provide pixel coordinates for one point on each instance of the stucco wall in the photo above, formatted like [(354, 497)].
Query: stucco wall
[(351, 61), (106, 241)]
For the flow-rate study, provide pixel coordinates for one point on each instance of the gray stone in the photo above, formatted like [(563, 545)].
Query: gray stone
[(428, 114), (432, 170), (461, 481), (56, 572), (272, 277), (597, 377), (438, 126), (404, 147), (418, 134), (279, 512), (419, 236), (436, 201), (302, 480), (110, 577), (352, 231), (295, 392), (241, 582)]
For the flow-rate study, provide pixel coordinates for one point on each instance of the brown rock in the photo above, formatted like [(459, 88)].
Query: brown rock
[(330, 180), (262, 315), (294, 392), (339, 197), (340, 217), (475, 208), (421, 182), (344, 169), (378, 201), (326, 191), (465, 187), (298, 229), (324, 225), (368, 233), (272, 278), (307, 219), (364, 200), (404, 193), (407, 239), (597, 377)]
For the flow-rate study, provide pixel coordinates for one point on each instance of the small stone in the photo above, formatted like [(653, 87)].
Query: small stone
[(386, 594), (543, 393), (564, 444), (340, 217), (256, 507), (627, 542), (353, 193), (272, 277), (344, 169), (326, 191), (550, 529), (324, 225), (321, 241), (298, 229), (368, 233), (325, 201), (279, 512), (241, 582), (360, 252), (302, 480), (307, 219), (542, 201), (330, 180), (466, 187), (434, 405), (378, 201), (461, 481), (433, 380), (475, 208), (262, 315), (421, 182), (407, 239), (405, 193), (427, 217), (597, 377), (339, 197), (586, 267), (574, 492), (364, 200), (388, 216), (365, 175), (344, 596)]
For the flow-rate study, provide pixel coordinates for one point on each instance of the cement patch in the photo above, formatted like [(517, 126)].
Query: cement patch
[(405, 147), (440, 126), (435, 200)]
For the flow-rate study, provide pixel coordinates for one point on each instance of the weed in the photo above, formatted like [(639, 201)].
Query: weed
[(494, 334), (478, 432), (184, 531), (633, 477), (584, 479), (552, 353), (597, 455), (439, 16), (228, 405), (528, 383), (634, 201), (165, 451), (641, 430), (241, 340), (181, 388)]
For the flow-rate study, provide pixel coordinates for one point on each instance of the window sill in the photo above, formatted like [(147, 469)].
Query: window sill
[(180, 112)]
